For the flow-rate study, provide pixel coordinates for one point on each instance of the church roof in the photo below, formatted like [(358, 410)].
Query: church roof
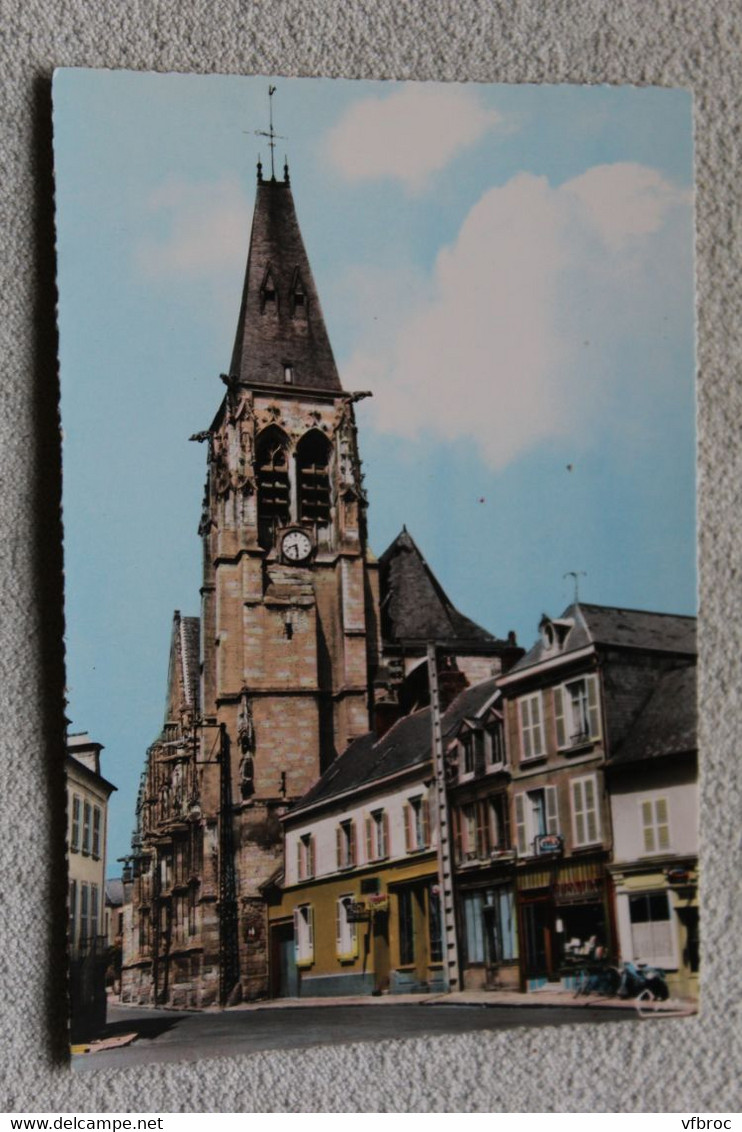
[(414, 607), (280, 322)]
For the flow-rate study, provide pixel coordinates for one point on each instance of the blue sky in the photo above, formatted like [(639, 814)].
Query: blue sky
[(509, 269)]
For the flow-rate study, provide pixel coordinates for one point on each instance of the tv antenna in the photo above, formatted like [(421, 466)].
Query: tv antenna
[(576, 574), (270, 133)]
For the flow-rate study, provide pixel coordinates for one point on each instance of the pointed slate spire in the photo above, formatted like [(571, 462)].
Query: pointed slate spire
[(281, 335)]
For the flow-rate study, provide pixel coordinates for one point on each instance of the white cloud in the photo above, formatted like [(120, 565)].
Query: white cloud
[(196, 229), (410, 134), (524, 331)]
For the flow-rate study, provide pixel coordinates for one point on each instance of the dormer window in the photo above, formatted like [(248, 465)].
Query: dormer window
[(298, 295), (268, 296)]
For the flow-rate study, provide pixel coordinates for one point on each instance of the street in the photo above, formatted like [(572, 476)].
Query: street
[(168, 1035)]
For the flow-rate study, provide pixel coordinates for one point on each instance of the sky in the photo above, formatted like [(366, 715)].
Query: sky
[(509, 269)]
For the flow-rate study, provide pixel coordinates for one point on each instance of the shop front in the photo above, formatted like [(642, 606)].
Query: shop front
[(565, 922)]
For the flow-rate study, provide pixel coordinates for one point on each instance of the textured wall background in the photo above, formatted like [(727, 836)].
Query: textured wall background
[(682, 1065)]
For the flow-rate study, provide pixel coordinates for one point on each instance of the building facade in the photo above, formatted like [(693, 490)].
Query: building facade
[(87, 820), (653, 786), (568, 704)]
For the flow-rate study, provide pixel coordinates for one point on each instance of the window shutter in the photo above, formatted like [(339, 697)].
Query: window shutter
[(407, 811), (96, 831), (591, 810), (385, 849), (299, 862), (311, 855), (339, 846), (648, 825), (561, 730), (425, 807), (593, 707), (524, 730), (370, 838), (339, 919), (297, 914), (352, 844), (479, 744), (94, 910), (538, 734), (520, 824), (482, 839), (663, 825), (552, 810), (457, 821), (578, 812), (310, 932)]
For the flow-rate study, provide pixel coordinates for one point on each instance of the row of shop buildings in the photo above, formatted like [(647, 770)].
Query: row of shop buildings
[(572, 799)]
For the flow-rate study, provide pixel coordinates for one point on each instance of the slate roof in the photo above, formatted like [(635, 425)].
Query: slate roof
[(405, 745), (414, 607), (619, 628), (667, 723), (267, 340)]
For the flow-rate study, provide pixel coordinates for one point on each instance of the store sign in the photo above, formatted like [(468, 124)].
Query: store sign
[(379, 902), (356, 912), (547, 843)]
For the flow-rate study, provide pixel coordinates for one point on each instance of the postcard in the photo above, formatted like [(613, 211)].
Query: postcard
[(379, 510)]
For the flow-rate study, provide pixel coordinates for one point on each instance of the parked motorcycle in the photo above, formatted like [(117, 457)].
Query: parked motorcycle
[(639, 977)]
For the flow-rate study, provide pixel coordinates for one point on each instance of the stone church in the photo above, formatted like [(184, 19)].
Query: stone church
[(304, 641)]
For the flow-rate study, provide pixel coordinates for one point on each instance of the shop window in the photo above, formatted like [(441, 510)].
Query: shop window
[(346, 844), (313, 474), (304, 933), (536, 813), (305, 857), (577, 712), (651, 929), (346, 933), (377, 835), (585, 814), (76, 809), (273, 485), (490, 933), (406, 927), (531, 727), (417, 824), (655, 825)]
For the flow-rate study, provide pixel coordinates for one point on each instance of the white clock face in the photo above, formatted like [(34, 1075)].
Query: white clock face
[(296, 546)]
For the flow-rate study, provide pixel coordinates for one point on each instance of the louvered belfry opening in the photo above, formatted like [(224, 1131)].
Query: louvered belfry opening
[(273, 485), (313, 476)]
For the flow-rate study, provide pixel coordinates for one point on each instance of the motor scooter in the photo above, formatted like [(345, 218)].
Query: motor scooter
[(639, 977)]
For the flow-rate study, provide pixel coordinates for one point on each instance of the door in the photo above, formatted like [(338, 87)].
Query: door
[(285, 977), (537, 937)]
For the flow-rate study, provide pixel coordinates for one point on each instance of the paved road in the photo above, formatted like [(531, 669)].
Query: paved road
[(166, 1035)]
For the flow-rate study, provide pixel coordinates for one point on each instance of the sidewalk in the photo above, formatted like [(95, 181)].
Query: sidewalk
[(555, 998)]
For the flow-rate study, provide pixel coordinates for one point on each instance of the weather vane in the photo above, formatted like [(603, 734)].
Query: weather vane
[(576, 574), (270, 133)]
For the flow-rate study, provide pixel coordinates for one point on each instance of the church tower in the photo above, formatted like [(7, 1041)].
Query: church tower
[(289, 613)]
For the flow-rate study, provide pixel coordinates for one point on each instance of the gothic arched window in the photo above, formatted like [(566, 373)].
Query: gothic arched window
[(273, 485), (313, 478)]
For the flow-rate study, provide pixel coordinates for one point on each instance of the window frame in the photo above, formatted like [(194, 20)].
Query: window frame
[(346, 844), (304, 935), (566, 734), (529, 729), (76, 829), (525, 825), (582, 812), (655, 825), (416, 810), (346, 932), (306, 863)]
